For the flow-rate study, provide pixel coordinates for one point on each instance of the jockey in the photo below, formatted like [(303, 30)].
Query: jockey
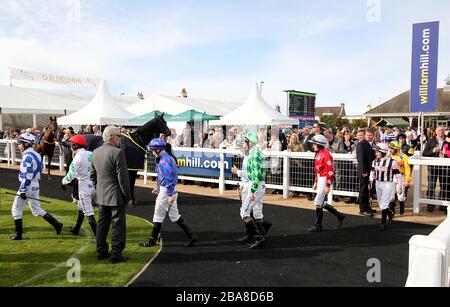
[(29, 176), (81, 169), (323, 167), (167, 200), (405, 170), (253, 189)]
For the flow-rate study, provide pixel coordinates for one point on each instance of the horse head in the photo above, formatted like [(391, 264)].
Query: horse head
[(153, 129), (53, 124)]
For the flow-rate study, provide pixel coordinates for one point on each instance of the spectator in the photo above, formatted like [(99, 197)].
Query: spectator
[(186, 140), (410, 141), (113, 193), (307, 137), (434, 148), (284, 141), (262, 145), (275, 163), (335, 144), (87, 130), (174, 139), (317, 129), (365, 156), (96, 131), (228, 143), (349, 145), (294, 144)]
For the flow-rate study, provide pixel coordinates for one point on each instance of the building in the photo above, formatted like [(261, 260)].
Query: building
[(331, 111), (397, 109)]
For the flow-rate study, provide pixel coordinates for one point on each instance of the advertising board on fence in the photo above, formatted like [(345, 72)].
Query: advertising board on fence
[(202, 164)]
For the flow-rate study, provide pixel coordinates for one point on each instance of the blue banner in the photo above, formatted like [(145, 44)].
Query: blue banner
[(424, 67), (202, 164)]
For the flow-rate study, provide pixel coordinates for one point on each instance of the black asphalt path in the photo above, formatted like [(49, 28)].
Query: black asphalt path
[(291, 257)]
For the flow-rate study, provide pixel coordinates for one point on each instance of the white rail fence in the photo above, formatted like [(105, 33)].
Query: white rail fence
[(288, 172)]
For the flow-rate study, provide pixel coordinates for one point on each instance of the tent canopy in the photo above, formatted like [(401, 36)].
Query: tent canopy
[(255, 111), (391, 122), (149, 116), (102, 110), (191, 115), (175, 105), (20, 100)]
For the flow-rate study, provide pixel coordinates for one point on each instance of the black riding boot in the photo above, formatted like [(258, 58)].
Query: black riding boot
[(267, 225), (154, 237), (337, 214), (254, 231), (248, 238), (392, 206), (93, 224), (319, 217), (260, 226), (52, 221), (384, 215), (76, 230), (188, 230), (402, 207), (19, 230)]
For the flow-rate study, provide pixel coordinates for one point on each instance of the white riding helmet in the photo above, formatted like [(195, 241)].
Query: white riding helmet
[(319, 140), (26, 138), (382, 147)]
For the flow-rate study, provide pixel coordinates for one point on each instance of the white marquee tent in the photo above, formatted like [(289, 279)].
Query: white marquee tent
[(255, 112), (176, 105), (102, 110)]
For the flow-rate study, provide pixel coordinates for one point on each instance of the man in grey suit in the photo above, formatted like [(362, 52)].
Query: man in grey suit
[(113, 194)]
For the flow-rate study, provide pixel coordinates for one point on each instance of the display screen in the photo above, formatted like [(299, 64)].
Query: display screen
[(302, 105)]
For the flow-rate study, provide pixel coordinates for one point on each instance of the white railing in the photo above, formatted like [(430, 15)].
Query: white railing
[(9, 152), (429, 174), (285, 171), (429, 258)]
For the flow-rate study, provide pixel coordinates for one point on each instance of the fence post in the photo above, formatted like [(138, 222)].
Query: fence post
[(61, 160), (286, 177), (13, 154), (417, 188), (8, 153), (145, 169), (222, 174)]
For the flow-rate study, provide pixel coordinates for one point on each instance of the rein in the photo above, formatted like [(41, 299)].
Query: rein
[(134, 142)]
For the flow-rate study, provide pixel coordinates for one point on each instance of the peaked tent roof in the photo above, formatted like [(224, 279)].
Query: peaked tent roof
[(176, 105), (255, 111), (102, 110), (192, 115), (43, 101)]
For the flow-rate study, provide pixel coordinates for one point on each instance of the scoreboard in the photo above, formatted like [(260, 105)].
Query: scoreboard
[(301, 105)]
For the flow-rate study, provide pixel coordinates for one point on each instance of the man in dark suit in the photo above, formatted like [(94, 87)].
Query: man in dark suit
[(365, 156), (113, 193)]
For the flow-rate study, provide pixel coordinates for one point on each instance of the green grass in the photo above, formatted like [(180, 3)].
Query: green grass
[(41, 258)]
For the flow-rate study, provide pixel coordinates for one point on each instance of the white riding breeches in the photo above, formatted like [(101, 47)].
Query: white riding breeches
[(385, 193), (162, 205), (85, 193), (19, 203), (321, 195), (255, 206)]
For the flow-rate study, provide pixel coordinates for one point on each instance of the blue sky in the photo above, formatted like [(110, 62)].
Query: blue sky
[(217, 49)]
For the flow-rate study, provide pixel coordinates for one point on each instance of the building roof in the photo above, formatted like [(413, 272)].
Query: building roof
[(338, 111), (400, 104)]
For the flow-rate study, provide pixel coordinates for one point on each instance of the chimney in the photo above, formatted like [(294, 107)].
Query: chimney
[(184, 93), (447, 84), (278, 108), (342, 109), (140, 96)]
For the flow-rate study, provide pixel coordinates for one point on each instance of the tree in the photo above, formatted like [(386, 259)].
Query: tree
[(334, 122), (359, 123)]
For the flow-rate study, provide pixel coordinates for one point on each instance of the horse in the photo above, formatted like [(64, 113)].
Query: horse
[(135, 144), (46, 145)]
